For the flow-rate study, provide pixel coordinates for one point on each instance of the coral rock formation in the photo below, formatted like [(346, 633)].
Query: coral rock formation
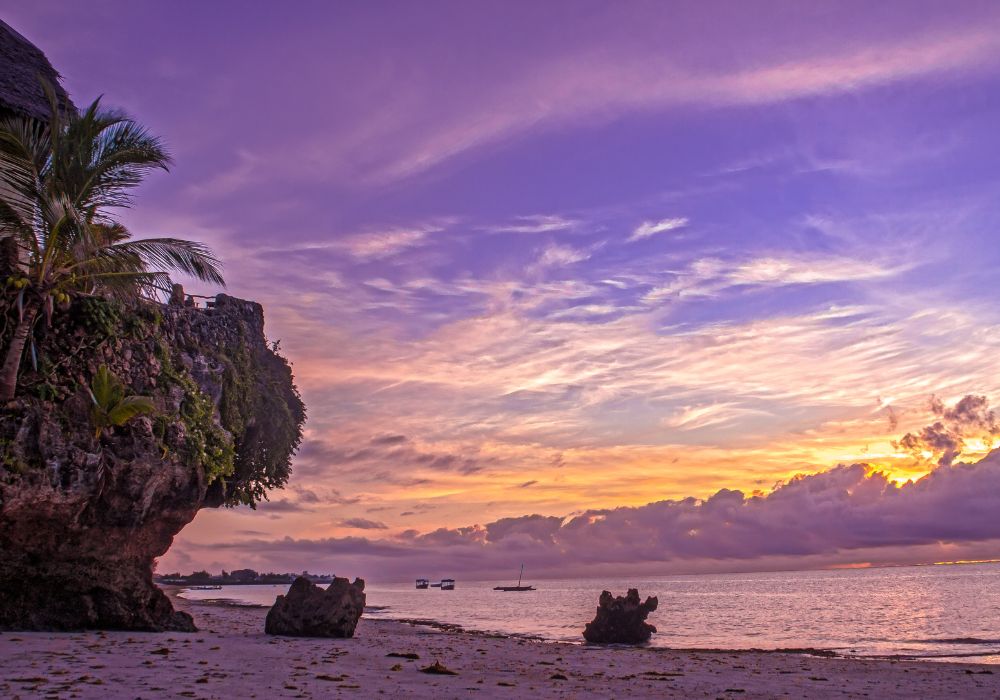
[(309, 611), (83, 517), (621, 620)]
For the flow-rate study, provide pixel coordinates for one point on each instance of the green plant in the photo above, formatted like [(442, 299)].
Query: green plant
[(112, 407)]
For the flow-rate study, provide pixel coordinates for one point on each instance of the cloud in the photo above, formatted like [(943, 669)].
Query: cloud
[(588, 86), (383, 244), (969, 419), (709, 277), (537, 223), (830, 516), (281, 505), (363, 524), (388, 440), (695, 417), (651, 228), (556, 255)]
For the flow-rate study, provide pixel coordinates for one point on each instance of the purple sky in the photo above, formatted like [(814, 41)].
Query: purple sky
[(558, 258)]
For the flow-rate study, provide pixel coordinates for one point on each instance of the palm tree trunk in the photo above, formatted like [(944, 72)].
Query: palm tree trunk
[(12, 361)]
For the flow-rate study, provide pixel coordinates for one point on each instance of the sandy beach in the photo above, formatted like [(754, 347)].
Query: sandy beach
[(231, 657)]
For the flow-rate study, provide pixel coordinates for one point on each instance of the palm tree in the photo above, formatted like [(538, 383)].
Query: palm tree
[(112, 406), (58, 181)]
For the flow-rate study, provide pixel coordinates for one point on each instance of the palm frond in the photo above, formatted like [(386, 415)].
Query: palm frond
[(23, 146), (128, 408), (110, 155), (105, 389), (125, 286), (189, 257)]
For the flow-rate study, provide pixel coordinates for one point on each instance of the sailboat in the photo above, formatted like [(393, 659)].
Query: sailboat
[(518, 587)]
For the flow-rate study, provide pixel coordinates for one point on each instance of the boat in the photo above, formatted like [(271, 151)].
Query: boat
[(422, 583), (447, 584), (435, 585), (206, 588), (518, 587)]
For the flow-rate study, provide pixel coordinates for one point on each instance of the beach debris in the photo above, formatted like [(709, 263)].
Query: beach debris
[(621, 619), (309, 611), (403, 655), (438, 669)]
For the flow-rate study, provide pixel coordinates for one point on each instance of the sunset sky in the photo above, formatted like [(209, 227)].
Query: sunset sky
[(558, 258)]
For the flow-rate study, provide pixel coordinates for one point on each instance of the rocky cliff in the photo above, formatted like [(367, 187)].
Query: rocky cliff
[(84, 512)]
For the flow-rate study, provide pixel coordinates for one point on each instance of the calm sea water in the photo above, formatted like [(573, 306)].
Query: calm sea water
[(933, 611)]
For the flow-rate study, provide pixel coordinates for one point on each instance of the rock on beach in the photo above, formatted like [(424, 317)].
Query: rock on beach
[(309, 611), (621, 620)]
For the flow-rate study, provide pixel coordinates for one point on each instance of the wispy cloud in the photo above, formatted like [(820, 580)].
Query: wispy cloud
[(696, 417), (710, 276), (538, 223), (651, 228), (556, 255), (585, 88), (383, 244)]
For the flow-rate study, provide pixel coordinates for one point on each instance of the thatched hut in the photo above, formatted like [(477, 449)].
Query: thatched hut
[(21, 64)]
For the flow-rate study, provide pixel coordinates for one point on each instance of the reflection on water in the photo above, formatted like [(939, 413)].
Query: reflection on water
[(934, 611)]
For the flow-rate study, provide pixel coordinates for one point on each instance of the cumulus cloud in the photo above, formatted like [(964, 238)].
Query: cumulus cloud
[(945, 439), (650, 228), (820, 517)]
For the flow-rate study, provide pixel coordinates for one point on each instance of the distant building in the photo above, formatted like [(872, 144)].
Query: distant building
[(243, 576)]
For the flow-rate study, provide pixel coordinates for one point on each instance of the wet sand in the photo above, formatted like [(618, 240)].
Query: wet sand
[(231, 657)]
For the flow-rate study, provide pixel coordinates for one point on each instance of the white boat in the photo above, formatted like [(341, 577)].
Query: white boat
[(206, 588)]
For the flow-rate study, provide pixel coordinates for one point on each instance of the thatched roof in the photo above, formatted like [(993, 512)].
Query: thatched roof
[(21, 62)]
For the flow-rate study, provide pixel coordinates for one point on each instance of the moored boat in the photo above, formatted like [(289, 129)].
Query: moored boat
[(518, 587), (447, 584), (422, 583)]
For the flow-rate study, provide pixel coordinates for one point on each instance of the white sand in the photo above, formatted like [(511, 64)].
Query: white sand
[(232, 658)]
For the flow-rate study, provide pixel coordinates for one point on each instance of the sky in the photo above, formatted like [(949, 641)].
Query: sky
[(601, 287)]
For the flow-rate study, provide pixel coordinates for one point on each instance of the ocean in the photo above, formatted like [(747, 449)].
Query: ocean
[(935, 612)]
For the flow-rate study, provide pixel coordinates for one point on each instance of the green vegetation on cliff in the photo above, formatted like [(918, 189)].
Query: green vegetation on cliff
[(223, 400)]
